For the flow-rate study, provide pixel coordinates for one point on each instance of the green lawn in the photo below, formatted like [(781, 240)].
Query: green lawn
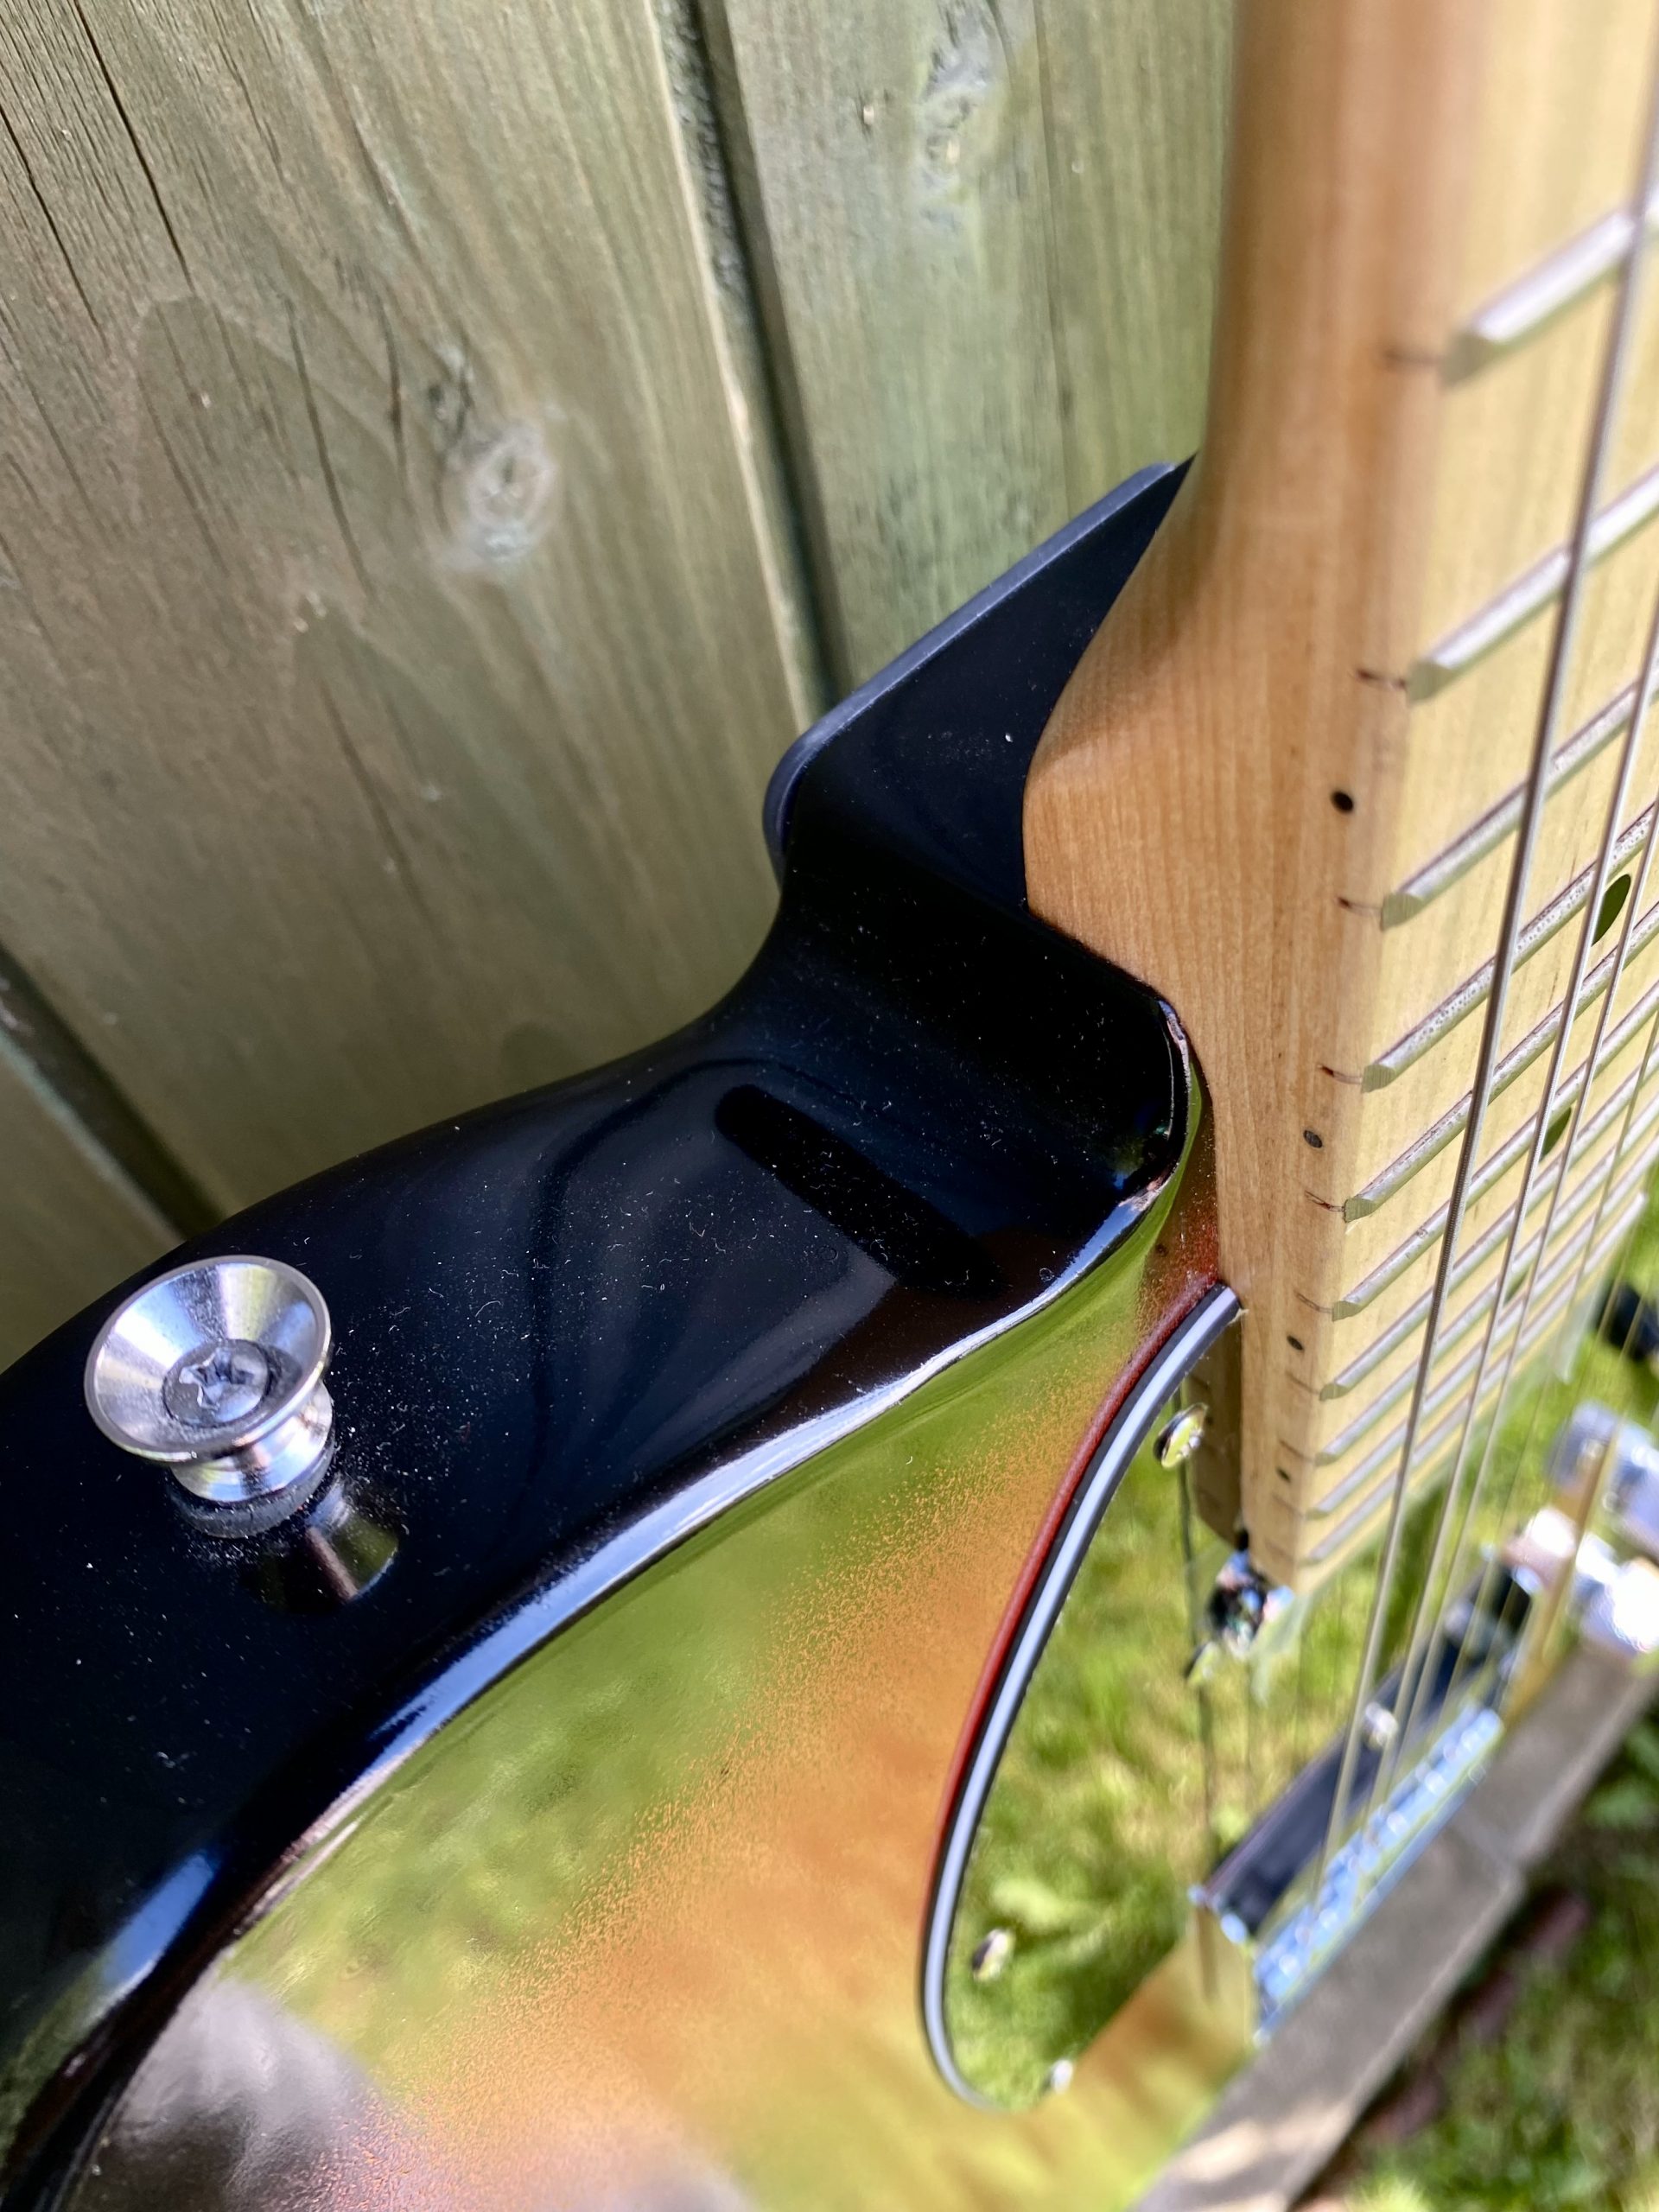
[(1563, 2110)]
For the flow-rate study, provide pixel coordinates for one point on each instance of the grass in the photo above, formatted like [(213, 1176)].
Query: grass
[(1564, 2110), (1101, 1819)]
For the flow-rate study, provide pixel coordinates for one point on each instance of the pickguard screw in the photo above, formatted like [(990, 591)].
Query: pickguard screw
[(991, 1953), (1180, 1436), (1379, 1727)]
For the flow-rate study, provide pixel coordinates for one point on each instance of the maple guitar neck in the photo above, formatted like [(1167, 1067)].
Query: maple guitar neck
[(1285, 783)]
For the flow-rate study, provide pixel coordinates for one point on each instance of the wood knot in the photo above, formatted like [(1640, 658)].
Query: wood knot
[(497, 494), (959, 106)]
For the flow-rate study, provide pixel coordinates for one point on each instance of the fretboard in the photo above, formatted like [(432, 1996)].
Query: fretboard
[(1286, 785)]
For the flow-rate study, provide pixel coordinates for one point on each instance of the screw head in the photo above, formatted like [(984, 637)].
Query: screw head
[(217, 1383), (1059, 2077), (991, 1953), (215, 1370), (1379, 1727), (1180, 1435)]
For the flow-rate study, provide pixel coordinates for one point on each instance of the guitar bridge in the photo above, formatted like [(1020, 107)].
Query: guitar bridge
[(1289, 1905)]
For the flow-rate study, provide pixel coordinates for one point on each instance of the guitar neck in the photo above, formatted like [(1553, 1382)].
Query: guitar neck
[(1287, 783)]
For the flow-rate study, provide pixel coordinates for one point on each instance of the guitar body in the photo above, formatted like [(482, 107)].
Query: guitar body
[(874, 1595), (714, 1412)]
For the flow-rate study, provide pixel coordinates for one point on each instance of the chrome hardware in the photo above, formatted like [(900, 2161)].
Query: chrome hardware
[(1596, 1445), (1180, 1436), (1378, 1727), (215, 1370), (1244, 1605), (1361, 1870), (1280, 1905), (991, 1953), (1620, 1612), (1614, 1601), (1058, 2078)]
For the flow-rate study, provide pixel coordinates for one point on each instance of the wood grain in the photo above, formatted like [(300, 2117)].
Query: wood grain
[(71, 1223), (1232, 739), (394, 640), (1288, 687), (986, 234)]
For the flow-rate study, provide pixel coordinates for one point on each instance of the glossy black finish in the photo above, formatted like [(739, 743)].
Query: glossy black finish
[(1630, 1323), (916, 1113)]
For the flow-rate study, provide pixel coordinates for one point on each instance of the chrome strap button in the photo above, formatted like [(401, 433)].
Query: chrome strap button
[(215, 1370)]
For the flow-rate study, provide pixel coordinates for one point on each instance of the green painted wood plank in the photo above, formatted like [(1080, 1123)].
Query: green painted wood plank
[(986, 232), (1136, 115), (72, 1223), (395, 648)]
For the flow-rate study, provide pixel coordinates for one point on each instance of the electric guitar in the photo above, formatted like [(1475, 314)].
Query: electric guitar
[(865, 1608)]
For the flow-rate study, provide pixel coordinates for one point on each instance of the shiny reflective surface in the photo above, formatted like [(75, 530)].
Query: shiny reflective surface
[(1170, 1742), (215, 1368), (1148, 1740), (573, 1330), (1093, 1735), (640, 1927)]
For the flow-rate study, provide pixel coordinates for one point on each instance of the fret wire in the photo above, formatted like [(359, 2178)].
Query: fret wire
[(1587, 1504), (1413, 1679), (1563, 639)]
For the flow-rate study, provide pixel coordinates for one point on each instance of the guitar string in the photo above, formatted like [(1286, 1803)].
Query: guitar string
[(1541, 1631), (1415, 1676), (1607, 1180), (1520, 1459), (1437, 1584), (1586, 1507), (1596, 1316), (1564, 634)]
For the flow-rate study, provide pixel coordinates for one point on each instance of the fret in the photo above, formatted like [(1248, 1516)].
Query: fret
[(1332, 682), (1365, 1463), (1382, 1268), (1524, 600), (1526, 308), (1500, 823), (1545, 928), (1425, 959), (1337, 1448), (1382, 1348), (1322, 1557), (1467, 742), (1388, 1359), (1419, 1107), (1330, 1532), (1375, 1352), (1301, 1541), (1328, 1418), (1527, 1050), (1503, 508), (1528, 596)]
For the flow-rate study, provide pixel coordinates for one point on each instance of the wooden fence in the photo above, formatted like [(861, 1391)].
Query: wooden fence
[(448, 449)]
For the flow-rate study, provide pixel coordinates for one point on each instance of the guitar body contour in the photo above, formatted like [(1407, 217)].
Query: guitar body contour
[(876, 1596), (713, 1411)]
